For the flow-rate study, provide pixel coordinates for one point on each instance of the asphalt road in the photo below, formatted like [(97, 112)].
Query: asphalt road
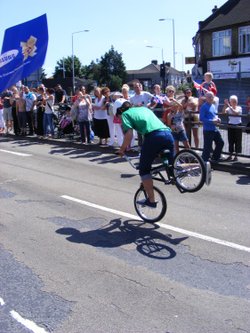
[(75, 259)]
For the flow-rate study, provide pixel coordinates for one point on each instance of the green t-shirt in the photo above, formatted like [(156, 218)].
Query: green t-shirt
[(142, 119)]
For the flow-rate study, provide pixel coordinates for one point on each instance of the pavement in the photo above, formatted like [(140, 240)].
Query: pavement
[(242, 166)]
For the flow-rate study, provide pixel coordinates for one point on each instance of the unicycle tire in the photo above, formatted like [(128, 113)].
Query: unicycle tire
[(189, 171), (146, 213)]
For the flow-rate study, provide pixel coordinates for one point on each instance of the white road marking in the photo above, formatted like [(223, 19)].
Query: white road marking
[(27, 323), (165, 226), (14, 153)]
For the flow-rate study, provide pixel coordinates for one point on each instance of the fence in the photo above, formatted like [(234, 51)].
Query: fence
[(223, 129)]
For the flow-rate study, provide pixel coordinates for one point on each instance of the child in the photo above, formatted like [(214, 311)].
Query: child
[(176, 121), (66, 123), (208, 84)]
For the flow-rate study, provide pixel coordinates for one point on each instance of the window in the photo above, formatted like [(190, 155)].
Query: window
[(244, 40), (222, 43)]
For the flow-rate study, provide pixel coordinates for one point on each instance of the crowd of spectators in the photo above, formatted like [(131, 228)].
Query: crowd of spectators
[(25, 111)]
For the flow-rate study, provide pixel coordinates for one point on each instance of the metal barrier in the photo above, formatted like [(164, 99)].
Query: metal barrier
[(223, 129)]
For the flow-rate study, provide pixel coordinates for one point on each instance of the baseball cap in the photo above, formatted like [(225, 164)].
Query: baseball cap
[(118, 103)]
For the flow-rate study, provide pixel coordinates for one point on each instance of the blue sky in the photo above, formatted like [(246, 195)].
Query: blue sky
[(129, 26)]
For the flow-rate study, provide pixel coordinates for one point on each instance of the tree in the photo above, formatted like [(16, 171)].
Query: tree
[(65, 65), (92, 71), (112, 69)]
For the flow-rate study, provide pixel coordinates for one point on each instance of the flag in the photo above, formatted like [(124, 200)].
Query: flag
[(200, 89), (23, 51)]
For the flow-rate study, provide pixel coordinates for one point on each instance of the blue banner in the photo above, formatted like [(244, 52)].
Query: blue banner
[(23, 51)]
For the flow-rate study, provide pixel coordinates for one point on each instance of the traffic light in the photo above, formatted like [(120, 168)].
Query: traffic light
[(162, 70)]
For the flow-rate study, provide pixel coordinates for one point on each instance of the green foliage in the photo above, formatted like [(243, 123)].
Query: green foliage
[(112, 65), (109, 71), (65, 64)]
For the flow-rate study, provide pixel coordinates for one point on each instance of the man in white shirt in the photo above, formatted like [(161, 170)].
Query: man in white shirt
[(140, 98)]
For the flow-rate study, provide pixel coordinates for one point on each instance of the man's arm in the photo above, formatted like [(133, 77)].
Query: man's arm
[(126, 141)]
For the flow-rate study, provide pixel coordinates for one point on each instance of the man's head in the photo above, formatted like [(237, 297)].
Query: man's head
[(137, 88), (121, 105), (209, 97)]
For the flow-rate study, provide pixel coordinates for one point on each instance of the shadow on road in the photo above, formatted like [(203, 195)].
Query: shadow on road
[(146, 237)]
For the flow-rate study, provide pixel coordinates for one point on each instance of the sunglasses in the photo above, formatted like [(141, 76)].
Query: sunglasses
[(170, 91)]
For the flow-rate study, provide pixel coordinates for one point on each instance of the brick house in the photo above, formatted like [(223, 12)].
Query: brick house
[(222, 46)]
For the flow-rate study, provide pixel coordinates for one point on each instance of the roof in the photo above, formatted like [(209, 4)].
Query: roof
[(233, 12), (152, 68)]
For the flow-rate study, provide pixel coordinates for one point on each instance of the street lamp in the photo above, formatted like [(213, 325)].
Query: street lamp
[(173, 28), (182, 60), (156, 47), (73, 60)]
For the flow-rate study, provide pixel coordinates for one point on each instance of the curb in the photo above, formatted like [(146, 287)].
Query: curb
[(240, 167)]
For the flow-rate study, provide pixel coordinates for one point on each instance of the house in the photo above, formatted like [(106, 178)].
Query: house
[(222, 46), (151, 75)]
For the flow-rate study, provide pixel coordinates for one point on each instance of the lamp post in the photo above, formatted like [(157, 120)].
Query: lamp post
[(73, 60), (182, 60), (156, 47), (173, 30)]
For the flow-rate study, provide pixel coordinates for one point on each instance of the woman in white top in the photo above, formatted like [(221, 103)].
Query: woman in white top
[(48, 126), (100, 122), (232, 108)]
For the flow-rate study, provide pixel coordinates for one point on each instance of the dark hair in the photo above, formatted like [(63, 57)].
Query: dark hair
[(125, 106), (51, 91)]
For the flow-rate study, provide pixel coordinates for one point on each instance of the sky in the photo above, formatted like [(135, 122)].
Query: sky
[(129, 26)]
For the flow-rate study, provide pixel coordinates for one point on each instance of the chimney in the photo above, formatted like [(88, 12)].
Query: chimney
[(214, 9), (155, 62)]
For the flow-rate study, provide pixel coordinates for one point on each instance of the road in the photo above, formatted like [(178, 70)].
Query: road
[(74, 257)]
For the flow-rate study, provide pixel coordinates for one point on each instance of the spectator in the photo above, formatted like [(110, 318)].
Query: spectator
[(232, 108), (21, 113), (169, 104), (83, 117), (208, 84), (40, 103), (60, 95), (190, 106), (117, 121), (1, 117), (125, 91), (30, 102), (176, 121), (13, 99), (100, 122), (157, 101), (7, 110), (48, 126), (140, 98), (108, 106), (209, 118)]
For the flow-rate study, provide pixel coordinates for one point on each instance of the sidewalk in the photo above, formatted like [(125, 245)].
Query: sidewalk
[(242, 166)]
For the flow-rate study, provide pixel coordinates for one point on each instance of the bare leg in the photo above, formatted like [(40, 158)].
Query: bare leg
[(196, 137), (148, 186), (186, 144)]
